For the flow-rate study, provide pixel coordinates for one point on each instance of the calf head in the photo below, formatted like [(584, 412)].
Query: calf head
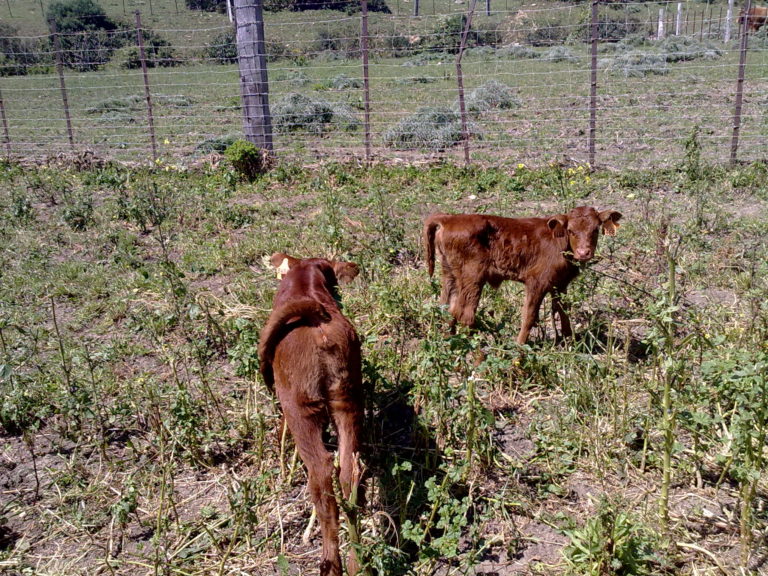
[(579, 230), (336, 271)]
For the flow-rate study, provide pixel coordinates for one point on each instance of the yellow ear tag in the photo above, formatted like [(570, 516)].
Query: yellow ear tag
[(283, 269)]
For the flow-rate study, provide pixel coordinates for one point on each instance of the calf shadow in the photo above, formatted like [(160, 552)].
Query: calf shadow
[(402, 455)]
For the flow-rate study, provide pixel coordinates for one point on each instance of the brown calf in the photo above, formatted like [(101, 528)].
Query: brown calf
[(756, 17), (310, 356), (542, 253)]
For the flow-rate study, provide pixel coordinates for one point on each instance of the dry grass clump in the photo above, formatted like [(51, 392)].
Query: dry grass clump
[(638, 64), (492, 95), (297, 112), (431, 128)]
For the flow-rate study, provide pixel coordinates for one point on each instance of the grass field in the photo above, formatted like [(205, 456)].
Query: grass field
[(138, 439), (642, 120)]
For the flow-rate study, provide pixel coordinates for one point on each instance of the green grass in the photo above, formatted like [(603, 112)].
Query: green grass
[(641, 121), (138, 437)]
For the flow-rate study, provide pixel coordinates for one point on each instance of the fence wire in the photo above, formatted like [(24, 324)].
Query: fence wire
[(664, 72)]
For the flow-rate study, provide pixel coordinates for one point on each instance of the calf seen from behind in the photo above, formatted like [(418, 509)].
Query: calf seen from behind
[(542, 253), (309, 355)]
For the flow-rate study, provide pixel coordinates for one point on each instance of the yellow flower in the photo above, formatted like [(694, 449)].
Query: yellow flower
[(166, 141), (520, 166)]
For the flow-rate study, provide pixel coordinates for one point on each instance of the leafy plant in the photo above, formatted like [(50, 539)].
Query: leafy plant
[(247, 159), (78, 211), (610, 542)]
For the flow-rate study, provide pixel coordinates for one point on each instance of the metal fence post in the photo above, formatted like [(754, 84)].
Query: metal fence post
[(62, 84), (147, 93), (593, 86), (460, 80), (740, 84), (6, 134), (366, 84)]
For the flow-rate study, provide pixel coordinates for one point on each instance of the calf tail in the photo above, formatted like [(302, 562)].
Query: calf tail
[(302, 312), (430, 227)]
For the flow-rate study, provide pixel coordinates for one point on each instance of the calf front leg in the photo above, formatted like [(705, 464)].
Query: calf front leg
[(534, 295), (464, 305), (559, 309)]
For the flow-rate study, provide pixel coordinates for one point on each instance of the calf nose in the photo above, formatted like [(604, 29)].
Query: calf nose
[(582, 254)]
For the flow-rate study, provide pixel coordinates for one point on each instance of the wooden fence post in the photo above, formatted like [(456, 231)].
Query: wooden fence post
[(62, 84), (660, 29), (254, 84), (728, 22), (460, 80), (593, 85), (147, 93), (740, 85), (366, 83)]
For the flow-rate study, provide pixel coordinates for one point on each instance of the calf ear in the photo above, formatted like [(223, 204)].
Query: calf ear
[(282, 263), (345, 271), (610, 220), (558, 224)]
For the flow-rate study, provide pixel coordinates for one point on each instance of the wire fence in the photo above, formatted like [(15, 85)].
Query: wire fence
[(665, 73)]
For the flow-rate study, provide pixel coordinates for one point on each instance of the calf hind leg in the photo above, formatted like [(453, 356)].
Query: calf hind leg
[(307, 430), (348, 416)]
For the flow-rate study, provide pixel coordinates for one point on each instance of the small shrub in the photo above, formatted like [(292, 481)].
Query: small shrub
[(223, 48), (158, 52), (18, 55), (207, 5), (492, 95), (87, 35), (343, 40), (446, 35), (248, 160), (429, 128), (21, 206), (78, 212)]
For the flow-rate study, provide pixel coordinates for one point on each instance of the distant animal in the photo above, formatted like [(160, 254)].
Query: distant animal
[(309, 355), (542, 253), (756, 17)]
